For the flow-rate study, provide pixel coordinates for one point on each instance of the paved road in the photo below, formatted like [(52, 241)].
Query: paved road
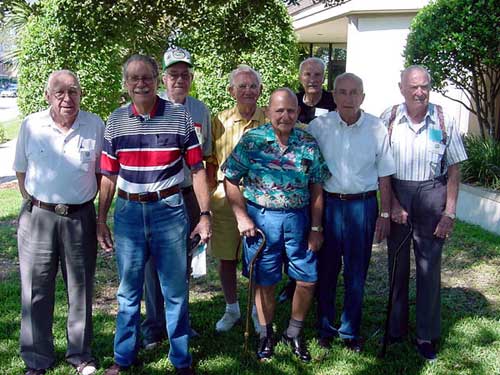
[(8, 111)]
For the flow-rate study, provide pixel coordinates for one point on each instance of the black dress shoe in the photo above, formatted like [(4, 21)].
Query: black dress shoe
[(298, 346), (184, 371), (427, 351), (265, 349), (287, 292), (325, 342), (353, 344), (32, 371)]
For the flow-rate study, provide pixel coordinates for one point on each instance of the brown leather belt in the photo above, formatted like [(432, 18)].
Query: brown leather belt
[(59, 208), (150, 196), (353, 197)]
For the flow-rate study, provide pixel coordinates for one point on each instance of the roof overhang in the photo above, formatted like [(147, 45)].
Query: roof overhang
[(317, 23)]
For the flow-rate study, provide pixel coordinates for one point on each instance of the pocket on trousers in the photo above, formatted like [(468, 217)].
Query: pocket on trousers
[(173, 201), (121, 205)]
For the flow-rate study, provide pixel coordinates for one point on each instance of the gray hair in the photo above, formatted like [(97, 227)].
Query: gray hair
[(288, 91), (243, 69), (411, 68), (346, 76), (145, 59), (312, 60), (56, 73)]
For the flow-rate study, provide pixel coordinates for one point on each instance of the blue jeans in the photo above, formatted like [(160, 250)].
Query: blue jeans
[(156, 229), (349, 227)]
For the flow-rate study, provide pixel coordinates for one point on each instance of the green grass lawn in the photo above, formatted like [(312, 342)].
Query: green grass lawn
[(9, 129), (470, 342)]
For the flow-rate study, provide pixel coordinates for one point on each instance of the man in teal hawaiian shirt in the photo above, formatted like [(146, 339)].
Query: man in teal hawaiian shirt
[(282, 171)]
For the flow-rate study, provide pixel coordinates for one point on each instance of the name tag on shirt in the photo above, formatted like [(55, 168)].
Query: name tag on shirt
[(87, 147), (199, 134), (438, 148), (320, 111)]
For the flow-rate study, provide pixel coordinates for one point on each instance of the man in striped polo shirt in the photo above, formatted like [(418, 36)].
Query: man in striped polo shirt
[(427, 150), (144, 147)]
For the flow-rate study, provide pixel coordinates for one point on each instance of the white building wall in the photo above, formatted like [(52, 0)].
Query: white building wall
[(375, 45)]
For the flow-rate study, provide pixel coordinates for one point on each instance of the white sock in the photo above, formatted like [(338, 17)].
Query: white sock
[(233, 308)]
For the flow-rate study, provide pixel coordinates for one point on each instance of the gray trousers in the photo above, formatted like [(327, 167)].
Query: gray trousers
[(45, 241), (153, 327), (425, 203)]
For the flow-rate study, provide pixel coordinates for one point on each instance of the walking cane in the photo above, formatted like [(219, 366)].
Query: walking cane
[(383, 350), (251, 286)]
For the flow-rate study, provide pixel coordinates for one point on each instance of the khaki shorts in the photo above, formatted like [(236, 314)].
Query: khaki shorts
[(225, 242)]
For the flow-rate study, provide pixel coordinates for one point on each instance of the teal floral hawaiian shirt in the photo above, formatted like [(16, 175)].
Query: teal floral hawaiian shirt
[(275, 177)]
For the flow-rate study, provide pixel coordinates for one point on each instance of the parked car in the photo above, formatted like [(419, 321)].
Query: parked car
[(9, 92)]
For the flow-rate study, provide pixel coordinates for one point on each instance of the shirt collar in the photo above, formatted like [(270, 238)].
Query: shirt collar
[(49, 121), (429, 115), (356, 124), (270, 136), (255, 117), (157, 109)]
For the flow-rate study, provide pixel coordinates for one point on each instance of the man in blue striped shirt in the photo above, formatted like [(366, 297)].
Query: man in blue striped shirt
[(427, 150), (145, 144)]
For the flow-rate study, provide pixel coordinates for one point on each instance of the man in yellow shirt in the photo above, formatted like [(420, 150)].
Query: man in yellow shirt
[(227, 128)]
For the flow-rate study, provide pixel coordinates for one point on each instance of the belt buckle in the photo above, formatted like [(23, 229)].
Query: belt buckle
[(61, 209), (343, 197), (143, 197)]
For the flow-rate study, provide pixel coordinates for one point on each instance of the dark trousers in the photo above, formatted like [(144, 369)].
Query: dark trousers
[(47, 241), (349, 227), (153, 327), (425, 203)]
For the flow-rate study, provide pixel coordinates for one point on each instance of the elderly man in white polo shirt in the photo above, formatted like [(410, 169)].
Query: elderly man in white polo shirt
[(355, 146), (57, 167)]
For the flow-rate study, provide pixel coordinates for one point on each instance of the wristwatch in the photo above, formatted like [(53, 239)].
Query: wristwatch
[(318, 228), (451, 216), (385, 215), (206, 213)]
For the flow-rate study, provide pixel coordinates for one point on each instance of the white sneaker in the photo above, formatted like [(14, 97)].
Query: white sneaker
[(227, 321)]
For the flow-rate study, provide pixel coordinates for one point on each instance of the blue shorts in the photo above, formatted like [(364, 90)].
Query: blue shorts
[(287, 232)]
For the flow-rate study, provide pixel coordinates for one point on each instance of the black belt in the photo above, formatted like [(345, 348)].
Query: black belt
[(149, 196), (59, 208), (353, 197)]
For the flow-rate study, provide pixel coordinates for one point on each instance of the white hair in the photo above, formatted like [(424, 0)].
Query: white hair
[(243, 69), (345, 76), (312, 60)]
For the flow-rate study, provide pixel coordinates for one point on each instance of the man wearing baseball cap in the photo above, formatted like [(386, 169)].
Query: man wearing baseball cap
[(177, 78)]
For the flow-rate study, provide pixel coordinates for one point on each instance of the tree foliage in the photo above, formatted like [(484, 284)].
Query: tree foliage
[(257, 33), (90, 37), (458, 41), (94, 37)]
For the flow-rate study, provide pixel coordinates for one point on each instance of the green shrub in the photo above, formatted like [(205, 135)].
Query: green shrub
[(258, 33), (2, 134), (483, 165)]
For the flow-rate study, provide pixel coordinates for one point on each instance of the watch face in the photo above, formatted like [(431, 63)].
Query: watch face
[(384, 215)]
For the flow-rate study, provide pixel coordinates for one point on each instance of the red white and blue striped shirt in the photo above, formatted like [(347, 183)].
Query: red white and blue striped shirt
[(146, 152)]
